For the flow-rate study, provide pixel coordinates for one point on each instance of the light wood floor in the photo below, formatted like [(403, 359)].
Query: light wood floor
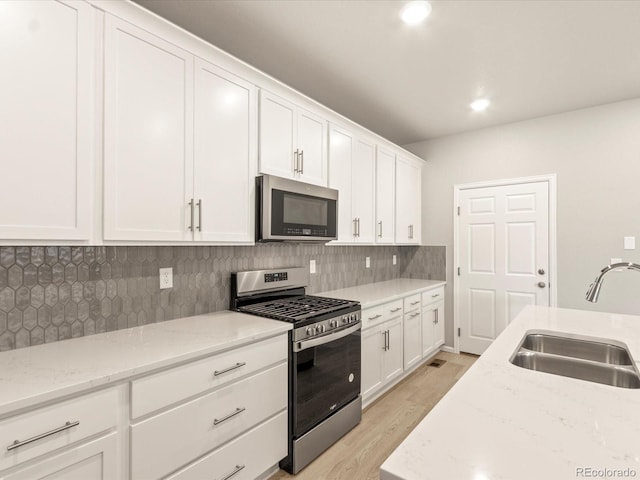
[(359, 454)]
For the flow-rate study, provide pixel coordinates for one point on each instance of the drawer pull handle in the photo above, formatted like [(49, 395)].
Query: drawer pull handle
[(218, 421), (415, 314), (374, 317), (393, 310), (237, 365), (66, 426), (435, 295), (416, 302), (235, 471)]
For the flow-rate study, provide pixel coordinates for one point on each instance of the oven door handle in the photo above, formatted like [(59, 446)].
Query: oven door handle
[(303, 345)]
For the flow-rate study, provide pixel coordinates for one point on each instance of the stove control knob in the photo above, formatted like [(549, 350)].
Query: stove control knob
[(334, 323), (352, 318), (311, 331), (345, 319), (320, 328)]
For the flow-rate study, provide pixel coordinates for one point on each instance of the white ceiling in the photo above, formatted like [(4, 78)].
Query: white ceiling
[(531, 58)]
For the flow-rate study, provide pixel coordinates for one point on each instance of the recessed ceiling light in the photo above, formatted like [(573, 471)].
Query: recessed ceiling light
[(415, 12), (479, 105)]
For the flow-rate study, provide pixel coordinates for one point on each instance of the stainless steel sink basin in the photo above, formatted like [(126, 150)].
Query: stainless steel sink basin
[(594, 360)]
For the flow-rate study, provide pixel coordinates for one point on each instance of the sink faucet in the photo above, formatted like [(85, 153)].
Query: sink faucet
[(594, 288)]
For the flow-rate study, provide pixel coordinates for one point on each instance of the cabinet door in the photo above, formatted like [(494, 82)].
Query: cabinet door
[(96, 460), (312, 142), (372, 352), (340, 158), (393, 358), (224, 155), (277, 117), (385, 196), (408, 201), (428, 329), (362, 189), (148, 136), (412, 339), (47, 121), (438, 339)]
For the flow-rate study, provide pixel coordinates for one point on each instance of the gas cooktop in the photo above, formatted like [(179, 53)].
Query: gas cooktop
[(298, 308)]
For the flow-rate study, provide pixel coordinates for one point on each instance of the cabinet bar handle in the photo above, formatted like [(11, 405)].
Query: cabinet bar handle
[(200, 215), (435, 295), (191, 204), (238, 411), (436, 316), (416, 302), (374, 317), (301, 162), (235, 471), (295, 161), (415, 314), (384, 345), (358, 226), (388, 339), (393, 310), (237, 365), (380, 225), (66, 426), (355, 232)]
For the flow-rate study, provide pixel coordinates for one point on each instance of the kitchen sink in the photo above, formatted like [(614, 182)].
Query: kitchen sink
[(601, 361)]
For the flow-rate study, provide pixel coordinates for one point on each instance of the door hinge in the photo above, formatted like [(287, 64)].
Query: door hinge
[(458, 271), (458, 211), (458, 331)]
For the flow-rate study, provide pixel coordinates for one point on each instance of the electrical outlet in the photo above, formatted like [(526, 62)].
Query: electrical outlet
[(367, 262), (629, 243), (394, 260), (312, 266), (166, 278)]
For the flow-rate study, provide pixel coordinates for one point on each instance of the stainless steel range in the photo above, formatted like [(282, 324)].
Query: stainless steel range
[(324, 357)]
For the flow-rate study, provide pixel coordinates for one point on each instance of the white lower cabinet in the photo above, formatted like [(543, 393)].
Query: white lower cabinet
[(79, 438), (412, 339), (209, 415), (432, 321), (382, 345)]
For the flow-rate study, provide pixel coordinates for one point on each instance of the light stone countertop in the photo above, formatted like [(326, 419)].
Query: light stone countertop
[(372, 294), (33, 375), (503, 422)]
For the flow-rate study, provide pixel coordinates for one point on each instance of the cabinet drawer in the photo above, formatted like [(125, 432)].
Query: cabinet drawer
[(393, 309), (412, 302), (372, 316), (165, 388), (87, 415), (168, 441), (433, 296), (250, 455)]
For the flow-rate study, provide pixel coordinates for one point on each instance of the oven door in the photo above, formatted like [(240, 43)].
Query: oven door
[(325, 377)]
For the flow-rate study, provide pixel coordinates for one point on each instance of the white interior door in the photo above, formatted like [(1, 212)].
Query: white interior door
[(503, 258)]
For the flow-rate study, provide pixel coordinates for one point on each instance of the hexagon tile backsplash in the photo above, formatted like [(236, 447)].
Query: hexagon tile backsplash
[(54, 293)]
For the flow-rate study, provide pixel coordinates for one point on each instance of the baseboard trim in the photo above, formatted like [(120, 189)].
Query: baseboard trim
[(446, 348)]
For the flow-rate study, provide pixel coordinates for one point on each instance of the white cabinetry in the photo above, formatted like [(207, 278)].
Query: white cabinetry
[(293, 141), (385, 195), (168, 178), (412, 331), (47, 122), (148, 164), (240, 394), (382, 345), (432, 321), (352, 173), (65, 440), (408, 200)]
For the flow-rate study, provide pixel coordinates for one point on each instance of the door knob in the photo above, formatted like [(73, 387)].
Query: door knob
[(542, 284), (541, 271)]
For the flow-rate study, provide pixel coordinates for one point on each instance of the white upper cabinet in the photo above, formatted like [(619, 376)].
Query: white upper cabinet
[(225, 155), (352, 172), (292, 141), (385, 195), (180, 143), (148, 158), (408, 200), (47, 122)]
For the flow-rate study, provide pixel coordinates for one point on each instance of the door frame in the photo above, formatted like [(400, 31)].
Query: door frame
[(553, 258)]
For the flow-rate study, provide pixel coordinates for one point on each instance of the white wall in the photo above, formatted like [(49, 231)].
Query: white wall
[(595, 153)]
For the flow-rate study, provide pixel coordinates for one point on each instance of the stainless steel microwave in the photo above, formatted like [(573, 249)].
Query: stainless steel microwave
[(287, 210)]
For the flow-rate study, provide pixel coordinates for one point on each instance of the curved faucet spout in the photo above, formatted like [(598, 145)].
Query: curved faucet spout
[(594, 289)]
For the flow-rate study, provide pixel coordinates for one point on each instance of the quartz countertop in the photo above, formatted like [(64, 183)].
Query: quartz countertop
[(501, 421), (372, 294), (33, 375)]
